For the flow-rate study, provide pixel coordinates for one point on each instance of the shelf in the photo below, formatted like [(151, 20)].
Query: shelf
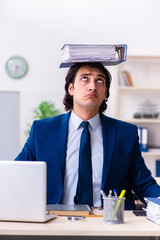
[(143, 58), (128, 88), (143, 120), (144, 71), (151, 154)]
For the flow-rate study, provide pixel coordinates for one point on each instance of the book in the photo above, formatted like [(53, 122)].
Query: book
[(129, 78), (122, 79), (108, 55), (69, 210), (125, 79), (153, 209)]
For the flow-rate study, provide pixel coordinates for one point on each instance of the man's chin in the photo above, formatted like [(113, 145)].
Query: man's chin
[(91, 107)]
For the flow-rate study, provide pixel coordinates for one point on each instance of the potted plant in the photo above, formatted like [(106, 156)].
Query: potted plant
[(44, 110)]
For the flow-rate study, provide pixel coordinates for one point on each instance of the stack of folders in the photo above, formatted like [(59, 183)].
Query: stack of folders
[(153, 209), (106, 54), (143, 138)]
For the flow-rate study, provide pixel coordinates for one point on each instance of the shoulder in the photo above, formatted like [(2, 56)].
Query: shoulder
[(59, 119)]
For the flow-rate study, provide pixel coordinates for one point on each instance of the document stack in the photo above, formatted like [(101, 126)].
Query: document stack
[(106, 54), (153, 209)]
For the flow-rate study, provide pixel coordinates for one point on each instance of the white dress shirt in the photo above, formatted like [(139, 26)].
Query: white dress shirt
[(72, 158)]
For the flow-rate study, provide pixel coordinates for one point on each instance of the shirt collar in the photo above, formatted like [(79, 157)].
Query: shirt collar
[(94, 122)]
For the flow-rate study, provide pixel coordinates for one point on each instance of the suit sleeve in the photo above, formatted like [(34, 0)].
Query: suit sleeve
[(28, 152), (140, 177)]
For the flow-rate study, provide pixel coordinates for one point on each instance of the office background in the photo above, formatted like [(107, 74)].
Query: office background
[(37, 29)]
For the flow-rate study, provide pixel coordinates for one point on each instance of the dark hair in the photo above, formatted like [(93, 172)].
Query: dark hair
[(70, 77)]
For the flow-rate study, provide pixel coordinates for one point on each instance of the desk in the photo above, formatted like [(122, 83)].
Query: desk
[(61, 228)]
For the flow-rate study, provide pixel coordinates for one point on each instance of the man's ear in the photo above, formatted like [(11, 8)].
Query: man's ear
[(70, 89)]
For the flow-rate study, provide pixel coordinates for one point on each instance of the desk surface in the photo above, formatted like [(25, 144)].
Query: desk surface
[(91, 226)]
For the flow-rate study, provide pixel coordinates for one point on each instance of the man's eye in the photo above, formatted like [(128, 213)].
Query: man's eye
[(100, 80), (84, 78)]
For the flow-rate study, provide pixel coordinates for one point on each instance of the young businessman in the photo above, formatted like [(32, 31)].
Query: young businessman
[(115, 155)]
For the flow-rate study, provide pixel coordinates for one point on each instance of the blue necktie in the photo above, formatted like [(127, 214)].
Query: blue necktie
[(84, 187)]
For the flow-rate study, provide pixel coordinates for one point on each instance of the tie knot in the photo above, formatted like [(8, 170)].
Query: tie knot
[(85, 124)]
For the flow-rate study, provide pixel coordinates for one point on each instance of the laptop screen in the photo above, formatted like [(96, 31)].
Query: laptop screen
[(23, 191)]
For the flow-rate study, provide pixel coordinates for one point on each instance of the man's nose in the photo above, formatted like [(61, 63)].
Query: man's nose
[(92, 86)]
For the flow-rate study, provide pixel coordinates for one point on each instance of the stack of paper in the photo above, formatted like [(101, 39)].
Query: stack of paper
[(106, 54), (153, 209)]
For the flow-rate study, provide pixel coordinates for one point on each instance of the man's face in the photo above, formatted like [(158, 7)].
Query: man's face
[(89, 89)]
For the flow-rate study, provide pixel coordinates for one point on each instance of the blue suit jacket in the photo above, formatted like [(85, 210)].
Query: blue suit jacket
[(123, 165)]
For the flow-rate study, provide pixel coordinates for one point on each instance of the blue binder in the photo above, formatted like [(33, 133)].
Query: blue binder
[(157, 168), (143, 137)]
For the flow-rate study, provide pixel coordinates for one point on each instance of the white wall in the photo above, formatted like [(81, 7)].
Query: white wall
[(37, 29)]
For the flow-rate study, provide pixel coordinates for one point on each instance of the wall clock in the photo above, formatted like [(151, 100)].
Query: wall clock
[(16, 67)]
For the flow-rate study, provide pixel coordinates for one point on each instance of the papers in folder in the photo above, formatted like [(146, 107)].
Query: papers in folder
[(153, 209), (106, 54)]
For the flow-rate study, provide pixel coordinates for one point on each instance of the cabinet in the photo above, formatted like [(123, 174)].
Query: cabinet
[(145, 74)]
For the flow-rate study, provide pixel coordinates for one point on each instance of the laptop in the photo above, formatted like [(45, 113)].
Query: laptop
[(23, 191)]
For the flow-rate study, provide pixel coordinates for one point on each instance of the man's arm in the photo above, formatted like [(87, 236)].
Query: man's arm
[(28, 152), (140, 176)]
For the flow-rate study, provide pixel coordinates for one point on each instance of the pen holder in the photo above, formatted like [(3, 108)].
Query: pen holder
[(113, 210)]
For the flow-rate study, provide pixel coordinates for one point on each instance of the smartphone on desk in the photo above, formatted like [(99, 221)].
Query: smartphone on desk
[(139, 212)]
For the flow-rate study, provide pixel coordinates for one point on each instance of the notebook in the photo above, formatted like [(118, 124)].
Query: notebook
[(23, 191)]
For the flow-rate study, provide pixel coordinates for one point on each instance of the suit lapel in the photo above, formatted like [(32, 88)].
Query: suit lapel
[(60, 139), (108, 133)]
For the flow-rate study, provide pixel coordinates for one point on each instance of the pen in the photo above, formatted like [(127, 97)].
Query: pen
[(103, 193), (118, 204), (115, 193), (110, 193)]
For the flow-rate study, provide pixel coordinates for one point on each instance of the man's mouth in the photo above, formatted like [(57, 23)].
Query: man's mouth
[(92, 95)]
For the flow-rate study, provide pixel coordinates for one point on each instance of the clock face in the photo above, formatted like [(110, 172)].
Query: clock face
[(16, 67)]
